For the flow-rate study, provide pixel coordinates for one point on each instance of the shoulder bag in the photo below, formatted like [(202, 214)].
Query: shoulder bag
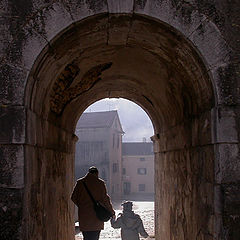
[(102, 213)]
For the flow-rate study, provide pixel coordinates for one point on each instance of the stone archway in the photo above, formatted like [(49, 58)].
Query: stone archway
[(152, 65), (182, 45)]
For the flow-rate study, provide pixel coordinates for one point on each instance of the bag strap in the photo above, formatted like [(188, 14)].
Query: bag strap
[(89, 193)]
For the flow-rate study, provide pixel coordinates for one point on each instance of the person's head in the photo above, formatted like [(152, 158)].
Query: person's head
[(93, 170), (127, 206)]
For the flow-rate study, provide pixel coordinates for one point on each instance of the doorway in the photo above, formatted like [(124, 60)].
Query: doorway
[(160, 70), (114, 136)]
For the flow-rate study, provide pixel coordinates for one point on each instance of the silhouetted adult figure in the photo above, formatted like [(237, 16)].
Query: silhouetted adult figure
[(89, 224)]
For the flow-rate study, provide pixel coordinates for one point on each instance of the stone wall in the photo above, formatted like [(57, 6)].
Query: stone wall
[(184, 184), (36, 154), (49, 180)]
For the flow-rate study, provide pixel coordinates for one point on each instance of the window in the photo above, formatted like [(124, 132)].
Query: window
[(142, 159), (118, 140), (124, 171), (113, 140), (142, 171), (115, 167), (141, 187)]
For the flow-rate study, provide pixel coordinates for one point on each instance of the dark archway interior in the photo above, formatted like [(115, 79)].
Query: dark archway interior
[(149, 63)]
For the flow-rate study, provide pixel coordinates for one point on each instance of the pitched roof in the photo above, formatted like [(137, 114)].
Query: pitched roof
[(137, 148), (97, 119)]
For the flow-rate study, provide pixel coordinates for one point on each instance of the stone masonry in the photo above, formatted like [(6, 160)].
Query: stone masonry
[(177, 59)]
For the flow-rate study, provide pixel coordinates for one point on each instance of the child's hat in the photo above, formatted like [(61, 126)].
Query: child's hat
[(127, 205)]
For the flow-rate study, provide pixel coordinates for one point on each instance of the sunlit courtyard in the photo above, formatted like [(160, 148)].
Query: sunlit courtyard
[(146, 212)]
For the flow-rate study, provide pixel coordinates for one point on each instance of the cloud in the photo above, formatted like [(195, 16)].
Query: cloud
[(135, 122)]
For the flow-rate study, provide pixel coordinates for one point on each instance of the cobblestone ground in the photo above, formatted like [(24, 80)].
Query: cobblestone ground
[(144, 209)]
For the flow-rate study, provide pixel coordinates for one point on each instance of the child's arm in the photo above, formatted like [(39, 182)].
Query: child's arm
[(116, 223), (141, 229)]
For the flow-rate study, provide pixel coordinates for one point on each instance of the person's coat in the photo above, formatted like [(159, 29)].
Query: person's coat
[(86, 214), (131, 225)]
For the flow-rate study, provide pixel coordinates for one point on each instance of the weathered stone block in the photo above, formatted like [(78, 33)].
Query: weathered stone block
[(33, 161), (119, 27), (201, 129), (225, 125), (3, 6), (148, 34), (55, 138), (12, 166), (120, 6), (49, 176), (87, 34), (227, 165), (184, 17), (12, 84), (23, 51), (158, 9), (34, 129), (185, 189), (32, 47), (175, 138), (47, 21), (12, 124), (82, 9), (5, 36), (226, 83), (194, 133), (208, 40), (231, 210), (218, 198), (11, 212), (24, 43), (225, 14)]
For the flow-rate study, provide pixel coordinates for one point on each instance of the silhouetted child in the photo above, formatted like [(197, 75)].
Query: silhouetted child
[(130, 223)]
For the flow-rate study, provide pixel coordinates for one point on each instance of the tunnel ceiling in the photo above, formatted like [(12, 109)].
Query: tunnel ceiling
[(132, 57)]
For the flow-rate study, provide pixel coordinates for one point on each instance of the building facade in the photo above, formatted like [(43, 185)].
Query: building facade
[(138, 170), (99, 144)]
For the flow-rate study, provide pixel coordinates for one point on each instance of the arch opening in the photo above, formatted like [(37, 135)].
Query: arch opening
[(152, 65), (114, 136)]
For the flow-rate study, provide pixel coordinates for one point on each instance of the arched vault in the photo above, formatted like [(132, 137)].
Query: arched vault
[(143, 60), (137, 58)]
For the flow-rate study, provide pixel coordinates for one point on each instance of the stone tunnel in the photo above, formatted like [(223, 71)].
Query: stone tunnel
[(178, 60)]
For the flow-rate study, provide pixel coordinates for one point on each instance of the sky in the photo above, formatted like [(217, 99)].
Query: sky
[(135, 122)]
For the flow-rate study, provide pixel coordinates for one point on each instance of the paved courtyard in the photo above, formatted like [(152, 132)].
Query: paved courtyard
[(144, 209)]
